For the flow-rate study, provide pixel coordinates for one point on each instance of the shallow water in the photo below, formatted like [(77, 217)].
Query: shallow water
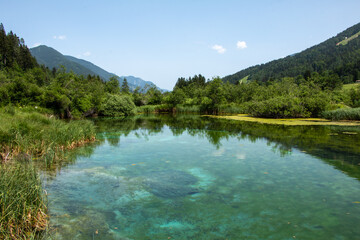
[(189, 178)]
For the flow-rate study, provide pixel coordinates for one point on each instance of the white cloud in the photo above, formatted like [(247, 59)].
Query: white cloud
[(220, 49), (60, 37), (36, 45), (241, 45), (86, 54)]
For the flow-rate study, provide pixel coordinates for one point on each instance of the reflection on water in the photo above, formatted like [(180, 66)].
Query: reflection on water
[(186, 177)]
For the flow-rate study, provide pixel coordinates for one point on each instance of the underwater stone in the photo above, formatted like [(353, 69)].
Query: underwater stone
[(171, 183)]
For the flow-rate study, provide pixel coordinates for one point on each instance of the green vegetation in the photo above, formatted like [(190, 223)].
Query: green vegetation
[(343, 114), (324, 58), (22, 204), (348, 39), (25, 136), (29, 135), (33, 97), (289, 121), (350, 86)]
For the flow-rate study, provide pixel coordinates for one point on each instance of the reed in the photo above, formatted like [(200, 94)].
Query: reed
[(25, 136), (34, 135), (22, 203), (342, 114)]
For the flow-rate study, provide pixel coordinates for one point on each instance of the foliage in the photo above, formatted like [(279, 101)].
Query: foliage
[(14, 52), (125, 87), (117, 105)]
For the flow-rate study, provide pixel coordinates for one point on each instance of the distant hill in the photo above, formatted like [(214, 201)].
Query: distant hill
[(54, 59), (92, 67), (339, 54), (51, 58)]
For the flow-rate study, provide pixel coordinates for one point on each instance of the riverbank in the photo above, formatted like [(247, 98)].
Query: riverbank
[(28, 137)]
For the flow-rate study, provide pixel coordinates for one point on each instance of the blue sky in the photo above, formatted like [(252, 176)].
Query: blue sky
[(160, 41)]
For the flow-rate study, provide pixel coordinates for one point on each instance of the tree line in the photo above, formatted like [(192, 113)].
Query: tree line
[(23, 82)]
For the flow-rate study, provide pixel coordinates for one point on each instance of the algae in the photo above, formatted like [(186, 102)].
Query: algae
[(289, 121)]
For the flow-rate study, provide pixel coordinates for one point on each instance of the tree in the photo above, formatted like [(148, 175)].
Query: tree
[(125, 87), (112, 86)]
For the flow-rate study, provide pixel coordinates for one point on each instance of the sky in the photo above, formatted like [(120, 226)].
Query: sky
[(160, 41)]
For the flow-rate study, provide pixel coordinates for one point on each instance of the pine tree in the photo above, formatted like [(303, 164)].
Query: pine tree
[(125, 87)]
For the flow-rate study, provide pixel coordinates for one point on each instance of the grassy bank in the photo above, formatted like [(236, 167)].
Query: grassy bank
[(24, 137), (343, 114)]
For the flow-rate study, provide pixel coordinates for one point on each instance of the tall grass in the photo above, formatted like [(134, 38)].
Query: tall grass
[(342, 114), (35, 135), (22, 206), (24, 136)]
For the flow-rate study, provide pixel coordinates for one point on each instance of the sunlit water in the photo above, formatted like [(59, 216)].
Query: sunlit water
[(175, 184)]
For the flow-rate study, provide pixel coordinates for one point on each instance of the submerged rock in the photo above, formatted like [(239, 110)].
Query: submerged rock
[(170, 183)]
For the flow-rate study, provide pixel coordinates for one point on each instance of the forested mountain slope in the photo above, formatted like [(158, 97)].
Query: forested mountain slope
[(53, 59), (332, 56)]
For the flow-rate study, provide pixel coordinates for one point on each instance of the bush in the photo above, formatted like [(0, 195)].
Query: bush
[(279, 107), (117, 105)]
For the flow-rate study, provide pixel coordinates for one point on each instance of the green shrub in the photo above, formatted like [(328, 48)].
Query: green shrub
[(279, 107), (117, 105)]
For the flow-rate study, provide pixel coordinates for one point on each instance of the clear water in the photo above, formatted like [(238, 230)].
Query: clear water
[(183, 178)]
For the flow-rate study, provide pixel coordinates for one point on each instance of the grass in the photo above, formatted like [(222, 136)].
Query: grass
[(22, 206), (34, 135), (343, 114), (289, 122), (244, 80), (25, 136), (349, 86), (345, 41)]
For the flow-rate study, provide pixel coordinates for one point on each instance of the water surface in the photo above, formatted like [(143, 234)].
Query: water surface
[(188, 177)]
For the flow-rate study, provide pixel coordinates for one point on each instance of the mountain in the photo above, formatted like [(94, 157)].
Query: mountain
[(51, 58), (92, 67), (339, 55), (54, 59)]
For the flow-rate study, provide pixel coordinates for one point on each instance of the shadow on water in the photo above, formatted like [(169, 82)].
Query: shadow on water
[(335, 145)]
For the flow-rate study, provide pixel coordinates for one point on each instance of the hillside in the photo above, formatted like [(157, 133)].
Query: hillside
[(341, 59), (54, 59), (92, 67), (51, 58)]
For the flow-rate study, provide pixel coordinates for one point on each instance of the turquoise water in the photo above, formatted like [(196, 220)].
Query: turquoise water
[(180, 180)]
